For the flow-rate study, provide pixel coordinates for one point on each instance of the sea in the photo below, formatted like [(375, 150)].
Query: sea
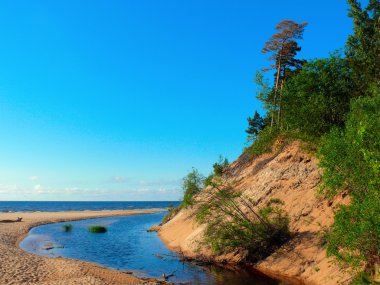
[(63, 206)]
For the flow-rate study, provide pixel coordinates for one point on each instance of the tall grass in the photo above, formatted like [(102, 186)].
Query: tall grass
[(234, 222)]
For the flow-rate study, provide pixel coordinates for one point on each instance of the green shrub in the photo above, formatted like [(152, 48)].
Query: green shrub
[(318, 97), (264, 141), (218, 169), (362, 278), (220, 166), (67, 227), (172, 211), (355, 236), (97, 229), (272, 137), (351, 160), (275, 201), (234, 222), (351, 156), (209, 179), (192, 184)]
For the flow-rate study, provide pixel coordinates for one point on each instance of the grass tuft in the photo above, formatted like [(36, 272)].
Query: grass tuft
[(67, 227), (97, 229)]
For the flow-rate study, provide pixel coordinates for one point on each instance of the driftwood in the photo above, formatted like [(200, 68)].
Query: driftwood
[(166, 277), (11, 221)]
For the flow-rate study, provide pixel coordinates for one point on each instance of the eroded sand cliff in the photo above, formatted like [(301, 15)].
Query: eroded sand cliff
[(293, 176)]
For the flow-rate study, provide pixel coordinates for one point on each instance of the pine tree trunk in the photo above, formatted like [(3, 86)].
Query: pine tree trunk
[(280, 103), (276, 88)]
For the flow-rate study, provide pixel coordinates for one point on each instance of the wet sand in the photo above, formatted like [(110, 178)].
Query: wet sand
[(20, 267)]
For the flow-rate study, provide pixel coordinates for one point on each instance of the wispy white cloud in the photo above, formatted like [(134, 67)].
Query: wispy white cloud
[(38, 189), (121, 189), (118, 179), (33, 178)]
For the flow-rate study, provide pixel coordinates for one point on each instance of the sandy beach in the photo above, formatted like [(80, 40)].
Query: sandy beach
[(20, 267)]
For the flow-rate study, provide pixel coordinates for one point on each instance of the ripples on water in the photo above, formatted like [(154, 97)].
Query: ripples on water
[(128, 246)]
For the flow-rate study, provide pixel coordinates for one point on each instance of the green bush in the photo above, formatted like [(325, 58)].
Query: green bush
[(172, 211), (351, 156), (97, 229), (229, 226), (67, 227), (351, 161), (219, 168), (362, 278), (264, 141), (209, 179), (355, 236), (193, 183), (318, 97)]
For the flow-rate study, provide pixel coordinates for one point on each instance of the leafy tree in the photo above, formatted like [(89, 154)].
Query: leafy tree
[(265, 93), (193, 183), (282, 48), (363, 47), (255, 125), (318, 97)]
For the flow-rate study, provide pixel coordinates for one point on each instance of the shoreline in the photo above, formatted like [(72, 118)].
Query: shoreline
[(264, 271), (21, 267)]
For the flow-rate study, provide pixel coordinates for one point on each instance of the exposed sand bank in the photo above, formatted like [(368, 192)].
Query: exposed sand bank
[(293, 176), (20, 267)]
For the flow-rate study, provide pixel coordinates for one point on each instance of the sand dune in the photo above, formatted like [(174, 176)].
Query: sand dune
[(20, 267)]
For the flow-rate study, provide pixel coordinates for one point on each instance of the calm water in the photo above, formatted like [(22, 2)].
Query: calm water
[(22, 206), (128, 246)]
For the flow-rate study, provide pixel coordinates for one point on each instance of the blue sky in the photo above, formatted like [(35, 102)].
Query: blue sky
[(118, 100)]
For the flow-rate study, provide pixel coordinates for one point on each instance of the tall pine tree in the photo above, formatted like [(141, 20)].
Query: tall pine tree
[(282, 48)]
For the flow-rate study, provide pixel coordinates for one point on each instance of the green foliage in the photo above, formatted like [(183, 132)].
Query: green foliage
[(362, 48), (220, 166), (275, 201), (209, 180), (334, 105), (172, 211), (218, 169), (192, 184), (355, 235), (97, 229), (317, 98), (67, 227), (363, 279), (255, 125), (265, 92), (235, 223), (351, 156), (351, 161), (264, 141)]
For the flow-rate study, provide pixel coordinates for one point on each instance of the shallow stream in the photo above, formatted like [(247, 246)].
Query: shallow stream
[(129, 247)]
